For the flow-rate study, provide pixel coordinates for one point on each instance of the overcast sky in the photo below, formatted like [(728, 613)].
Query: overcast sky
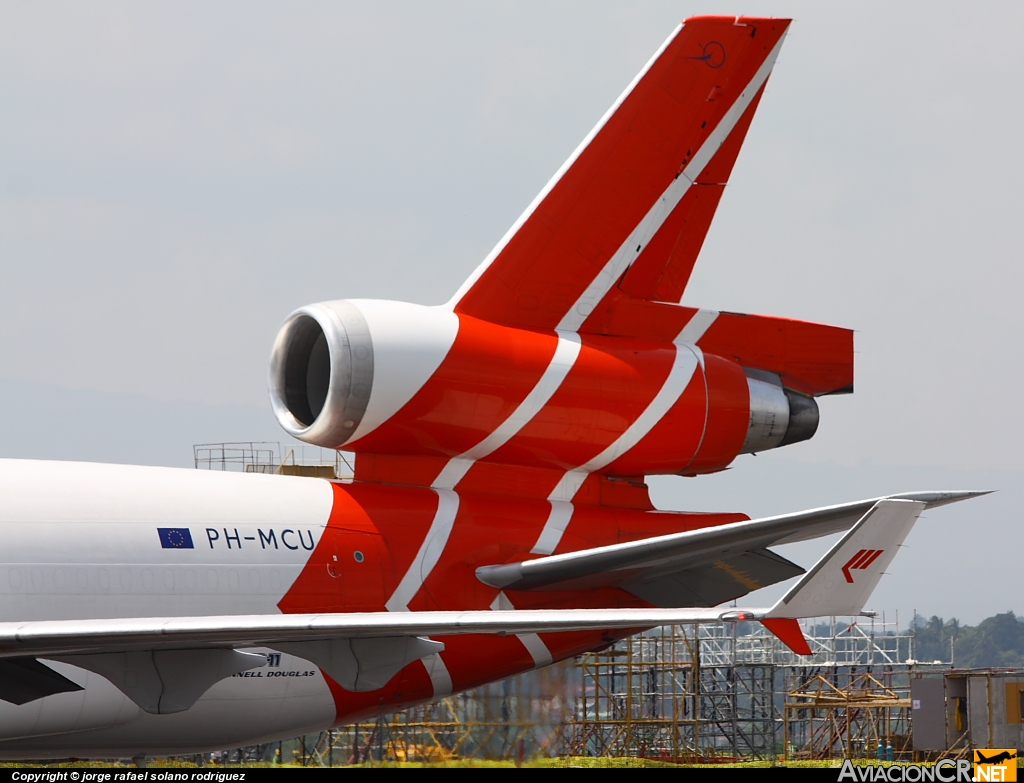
[(175, 178)]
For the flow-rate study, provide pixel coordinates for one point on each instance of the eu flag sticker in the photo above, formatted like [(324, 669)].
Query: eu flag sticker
[(175, 538)]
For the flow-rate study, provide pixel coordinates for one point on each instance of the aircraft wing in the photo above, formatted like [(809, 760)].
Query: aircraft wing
[(85, 637), (699, 567), (165, 664)]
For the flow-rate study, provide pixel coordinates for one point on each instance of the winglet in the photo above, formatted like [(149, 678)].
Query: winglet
[(843, 580)]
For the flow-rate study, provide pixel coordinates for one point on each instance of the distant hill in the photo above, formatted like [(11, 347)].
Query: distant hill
[(995, 641)]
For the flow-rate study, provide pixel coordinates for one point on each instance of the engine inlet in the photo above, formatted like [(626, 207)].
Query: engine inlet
[(321, 373)]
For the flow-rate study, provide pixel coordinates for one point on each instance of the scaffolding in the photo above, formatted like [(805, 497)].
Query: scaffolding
[(698, 692), (637, 698), (268, 457), (852, 696), (730, 691), (834, 713), (676, 693)]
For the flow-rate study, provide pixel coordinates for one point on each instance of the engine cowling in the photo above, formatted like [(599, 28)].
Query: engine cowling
[(322, 359), (339, 369), (380, 377)]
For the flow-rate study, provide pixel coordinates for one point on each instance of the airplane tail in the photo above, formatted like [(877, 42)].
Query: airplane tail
[(608, 246), (630, 208), (842, 581)]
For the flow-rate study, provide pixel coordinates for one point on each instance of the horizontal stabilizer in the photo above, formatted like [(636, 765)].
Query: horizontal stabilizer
[(810, 358)]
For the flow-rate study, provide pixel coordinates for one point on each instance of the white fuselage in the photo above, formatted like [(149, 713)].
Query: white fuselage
[(82, 540)]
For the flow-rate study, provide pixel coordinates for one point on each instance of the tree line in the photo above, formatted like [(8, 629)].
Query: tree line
[(995, 641)]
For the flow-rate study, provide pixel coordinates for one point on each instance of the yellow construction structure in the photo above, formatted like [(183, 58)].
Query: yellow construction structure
[(825, 719)]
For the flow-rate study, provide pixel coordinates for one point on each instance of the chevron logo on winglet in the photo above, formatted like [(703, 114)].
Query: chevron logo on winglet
[(860, 561)]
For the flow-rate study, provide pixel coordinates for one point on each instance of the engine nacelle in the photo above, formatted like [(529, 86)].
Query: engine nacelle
[(381, 377), (340, 369)]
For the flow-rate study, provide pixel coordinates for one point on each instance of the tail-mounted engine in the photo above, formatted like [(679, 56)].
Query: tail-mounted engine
[(778, 416), (391, 378), (321, 373)]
